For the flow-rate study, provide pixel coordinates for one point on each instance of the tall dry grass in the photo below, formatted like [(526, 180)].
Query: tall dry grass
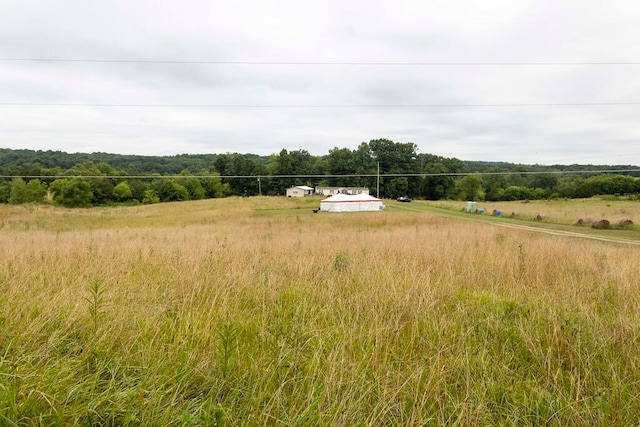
[(214, 313)]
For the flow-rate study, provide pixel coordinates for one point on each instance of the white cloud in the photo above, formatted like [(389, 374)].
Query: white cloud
[(330, 31)]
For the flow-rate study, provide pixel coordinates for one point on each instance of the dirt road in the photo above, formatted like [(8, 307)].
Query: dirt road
[(541, 227)]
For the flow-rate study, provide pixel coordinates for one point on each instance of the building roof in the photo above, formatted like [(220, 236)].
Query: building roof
[(346, 188), (339, 198), (304, 187)]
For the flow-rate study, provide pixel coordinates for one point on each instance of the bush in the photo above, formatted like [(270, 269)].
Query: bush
[(74, 193), (150, 197), (122, 192)]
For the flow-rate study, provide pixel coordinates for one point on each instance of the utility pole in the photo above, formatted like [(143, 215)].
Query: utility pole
[(259, 187), (378, 187)]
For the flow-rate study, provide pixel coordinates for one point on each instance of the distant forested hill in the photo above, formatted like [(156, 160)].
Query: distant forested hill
[(472, 166), (14, 162), (28, 160)]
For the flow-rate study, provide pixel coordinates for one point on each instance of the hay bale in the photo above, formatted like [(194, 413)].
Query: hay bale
[(585, 221), (515, 214), (540, 217), (602, 224), (625, 223)]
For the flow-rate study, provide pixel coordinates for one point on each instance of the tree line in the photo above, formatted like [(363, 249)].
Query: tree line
[(83, 180)]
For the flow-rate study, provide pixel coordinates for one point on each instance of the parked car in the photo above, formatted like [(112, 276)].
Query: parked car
[(405, 199)]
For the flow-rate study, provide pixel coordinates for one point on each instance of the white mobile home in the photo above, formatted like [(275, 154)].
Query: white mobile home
[(330, 191)]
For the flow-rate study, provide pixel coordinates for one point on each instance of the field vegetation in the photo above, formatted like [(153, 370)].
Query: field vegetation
[(256, 311), (560, 211)]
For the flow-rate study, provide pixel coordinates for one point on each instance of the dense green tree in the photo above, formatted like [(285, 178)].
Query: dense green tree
[(607, 184), (240, 165), (5, 191), (395, 158), (318, 165), (18, 192), (168, 190), (438, 183), (150, 197), (341, 161), (227, 190), (193, 186), (36, 191), (547, 182), (31, 192), (285, 163), (212, 186), (396, 187), (365, 164), (122, 192), (615, 184), (106, 169), (519, 180), (470, 188), (50, 174), (513, 192), (86, 168), (568, 185), (72, 193), (138, 188), (101, 188), (493, 184)]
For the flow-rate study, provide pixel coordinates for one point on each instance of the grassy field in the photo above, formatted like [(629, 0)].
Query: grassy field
[(561, 211), (256, 311)]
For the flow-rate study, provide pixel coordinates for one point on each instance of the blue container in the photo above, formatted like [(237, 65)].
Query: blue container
[(498, 213)]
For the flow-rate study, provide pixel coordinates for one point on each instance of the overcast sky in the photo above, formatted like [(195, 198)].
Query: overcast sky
[(344, 104)]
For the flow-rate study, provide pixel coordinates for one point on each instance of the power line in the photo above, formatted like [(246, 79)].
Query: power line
[(330, 63), (361, 175), (319, 106)]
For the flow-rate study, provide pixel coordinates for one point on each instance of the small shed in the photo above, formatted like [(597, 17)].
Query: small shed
[(351, 203), (299, 191)]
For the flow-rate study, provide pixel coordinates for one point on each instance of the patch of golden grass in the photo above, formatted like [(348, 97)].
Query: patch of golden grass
[(561, 211), (212, 311)]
